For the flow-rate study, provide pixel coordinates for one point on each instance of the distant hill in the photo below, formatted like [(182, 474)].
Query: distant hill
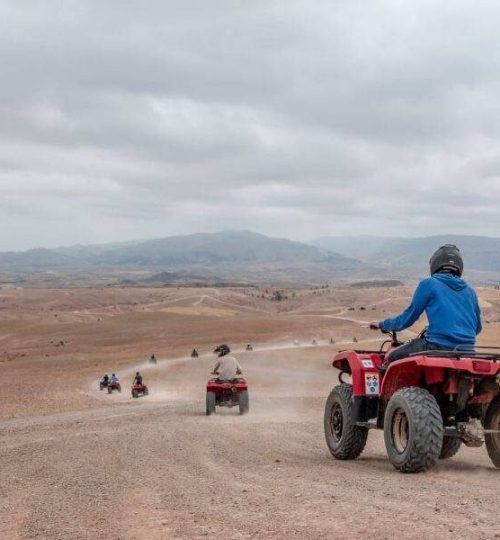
[(242, 247), (377, 283), (226, 256), (403, 257)]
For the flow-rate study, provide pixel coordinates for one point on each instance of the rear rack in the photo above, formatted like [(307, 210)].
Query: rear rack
[(359, 351), (460, 354)]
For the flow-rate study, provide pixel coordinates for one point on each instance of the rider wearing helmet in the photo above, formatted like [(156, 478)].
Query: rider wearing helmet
[(227, 368), (114, 378), (138, 378), (451, 306)]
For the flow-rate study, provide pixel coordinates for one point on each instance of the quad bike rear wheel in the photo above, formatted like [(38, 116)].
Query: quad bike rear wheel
[(146, 391), (243, 402), (210, 403), (344, 438), (492, 421), (135, 394), (413, 430), (451, 445), (110, 390)]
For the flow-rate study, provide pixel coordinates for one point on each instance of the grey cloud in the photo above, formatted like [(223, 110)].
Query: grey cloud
[(124, 120)]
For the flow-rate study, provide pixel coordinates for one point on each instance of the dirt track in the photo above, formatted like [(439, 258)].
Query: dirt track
[(157, 467)]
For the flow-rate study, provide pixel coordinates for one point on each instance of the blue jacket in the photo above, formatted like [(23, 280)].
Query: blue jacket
[(452, 310)]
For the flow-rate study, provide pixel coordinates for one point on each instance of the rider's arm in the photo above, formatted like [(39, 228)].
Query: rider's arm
[(238, 368), (477, 309), (410, 315), (216, 368)]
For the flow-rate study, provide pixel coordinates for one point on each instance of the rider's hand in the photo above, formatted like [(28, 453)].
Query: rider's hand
[(374, 325)]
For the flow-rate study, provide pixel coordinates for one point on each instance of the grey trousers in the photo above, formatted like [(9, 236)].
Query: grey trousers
[(413, 346)]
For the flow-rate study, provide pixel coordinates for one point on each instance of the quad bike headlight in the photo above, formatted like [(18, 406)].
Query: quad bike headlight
[(234, 389)]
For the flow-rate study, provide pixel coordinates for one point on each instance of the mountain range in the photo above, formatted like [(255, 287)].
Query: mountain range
[(249, 257), (409, 257)]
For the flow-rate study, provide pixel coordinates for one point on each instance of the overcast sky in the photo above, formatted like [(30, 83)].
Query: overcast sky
[(125, 119)]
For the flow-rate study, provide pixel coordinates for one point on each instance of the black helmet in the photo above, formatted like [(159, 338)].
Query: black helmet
[(137, 373), (448, 258), (222, 350)]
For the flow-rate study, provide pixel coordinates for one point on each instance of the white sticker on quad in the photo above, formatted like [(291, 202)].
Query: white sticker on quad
[(372, 384), (367, 363)]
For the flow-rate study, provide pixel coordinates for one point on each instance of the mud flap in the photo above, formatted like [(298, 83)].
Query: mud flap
[(365, 408)]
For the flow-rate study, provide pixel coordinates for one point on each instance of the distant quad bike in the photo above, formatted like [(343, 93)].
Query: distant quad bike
[(249, 347), (114, 386), (139, 390), (194, 354), (314, 342), (153, 359), (427, 404), (227, 394), (103, 384)]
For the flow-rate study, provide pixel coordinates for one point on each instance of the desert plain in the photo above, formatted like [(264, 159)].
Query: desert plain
[(77, 463)]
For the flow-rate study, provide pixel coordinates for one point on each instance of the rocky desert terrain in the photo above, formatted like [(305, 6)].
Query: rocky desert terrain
[(77, 463)]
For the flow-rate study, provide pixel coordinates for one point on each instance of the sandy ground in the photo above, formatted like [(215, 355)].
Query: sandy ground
[(77, 463)]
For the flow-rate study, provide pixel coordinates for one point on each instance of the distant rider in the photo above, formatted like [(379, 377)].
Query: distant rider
[(451, 306), (105, 380), (114, 378), (227, 368), (138, 378)]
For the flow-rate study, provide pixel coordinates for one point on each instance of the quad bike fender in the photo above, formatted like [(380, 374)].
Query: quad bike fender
[(434, 370), (364, 370), (220, 387)]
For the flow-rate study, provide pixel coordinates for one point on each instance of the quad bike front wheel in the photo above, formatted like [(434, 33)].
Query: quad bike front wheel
[(210, 403), (146, 391), (110, 390), (135, 394), (244, 402), (344, 438), (413, 430), (492, 421)]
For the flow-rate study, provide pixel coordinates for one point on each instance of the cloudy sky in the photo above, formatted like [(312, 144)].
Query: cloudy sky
[(125, 119)]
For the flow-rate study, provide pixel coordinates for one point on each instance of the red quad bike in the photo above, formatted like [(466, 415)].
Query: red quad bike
[(227, 394), (139, 390), (427, 404), (114, 386)]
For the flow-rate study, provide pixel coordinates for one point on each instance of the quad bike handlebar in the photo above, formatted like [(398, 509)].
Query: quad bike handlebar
[(392, 333), (394, 341)]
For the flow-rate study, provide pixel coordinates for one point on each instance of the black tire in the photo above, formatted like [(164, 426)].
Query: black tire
[(119, 388), (134, 394), (244, 402), (100, 386), (210, 403), (146, 391), (451, 445), (344, 438), (492, 421), (413, 430), (109, 390)]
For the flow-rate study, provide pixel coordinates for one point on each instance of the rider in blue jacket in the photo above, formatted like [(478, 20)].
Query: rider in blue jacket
[(451, 306)]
